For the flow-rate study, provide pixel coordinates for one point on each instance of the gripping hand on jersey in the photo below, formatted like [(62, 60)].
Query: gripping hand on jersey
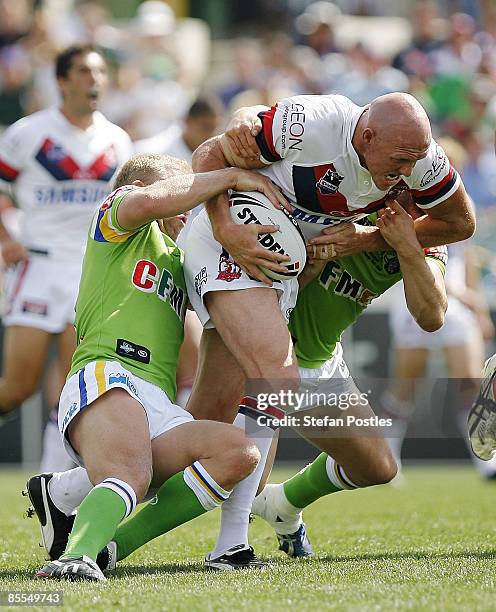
[(340, 241), (398, 229), (241, 132), (241, 242)]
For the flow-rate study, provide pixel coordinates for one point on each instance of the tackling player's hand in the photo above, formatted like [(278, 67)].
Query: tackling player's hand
[(241, 132), (13, 252), (398, 229), (241, 242), (245, 180), (340, 241)]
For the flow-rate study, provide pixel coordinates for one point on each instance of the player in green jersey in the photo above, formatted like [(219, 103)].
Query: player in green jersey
[(117, 415), (355, 453)]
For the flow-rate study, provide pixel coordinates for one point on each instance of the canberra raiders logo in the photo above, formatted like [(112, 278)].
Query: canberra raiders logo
[(329, 183), (391, 263)]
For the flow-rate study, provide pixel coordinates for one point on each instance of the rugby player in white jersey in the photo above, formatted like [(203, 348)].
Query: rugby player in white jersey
[(58, 164), (335, 162)]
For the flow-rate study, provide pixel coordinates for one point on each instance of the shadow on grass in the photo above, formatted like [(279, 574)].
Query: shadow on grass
[(25, 574), (413, 555), (127, 571)]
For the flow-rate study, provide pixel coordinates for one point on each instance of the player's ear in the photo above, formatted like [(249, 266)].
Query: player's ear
[(368, 135), (138, 183)]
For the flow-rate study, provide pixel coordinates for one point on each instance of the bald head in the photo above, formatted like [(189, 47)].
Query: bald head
[(392, 134), (400, 115)]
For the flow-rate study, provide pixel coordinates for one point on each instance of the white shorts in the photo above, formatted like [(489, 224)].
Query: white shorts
[(330, 380), (209, 267), (458, 329), (41, 292), (98, 377)]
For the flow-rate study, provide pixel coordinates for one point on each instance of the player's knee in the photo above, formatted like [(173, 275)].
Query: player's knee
[(382, 469), (240, 457), (140, 481), (249, 459), (137, 476), (271, 363)]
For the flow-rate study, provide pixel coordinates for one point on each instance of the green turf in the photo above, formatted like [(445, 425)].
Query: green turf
[(430, 545)]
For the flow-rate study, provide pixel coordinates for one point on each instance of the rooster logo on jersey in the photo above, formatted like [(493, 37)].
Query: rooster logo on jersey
[(329, 183), (228, 268)]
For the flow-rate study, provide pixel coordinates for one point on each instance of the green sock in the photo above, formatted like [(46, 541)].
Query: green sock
[(309, 484), (176, 504), (96, 521)]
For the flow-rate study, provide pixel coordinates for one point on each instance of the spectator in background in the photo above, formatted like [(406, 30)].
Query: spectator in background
[(15, 69), (368, 76), (316, 27), (247, 61), (428, 33), (479, 171)]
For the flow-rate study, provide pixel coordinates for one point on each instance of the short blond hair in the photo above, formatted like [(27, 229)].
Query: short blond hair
[(150, 167)]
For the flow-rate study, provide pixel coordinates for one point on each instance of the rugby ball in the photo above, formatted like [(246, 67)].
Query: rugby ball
[(254, 207)]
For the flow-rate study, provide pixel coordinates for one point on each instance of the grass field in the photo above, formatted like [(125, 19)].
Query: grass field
[(430, 545)]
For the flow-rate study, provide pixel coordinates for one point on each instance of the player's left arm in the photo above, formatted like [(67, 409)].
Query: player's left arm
[(182, 192), (423, 276), (239, 141), (438, 190)]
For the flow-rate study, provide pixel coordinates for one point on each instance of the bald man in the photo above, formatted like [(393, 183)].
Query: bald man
[(335, 162)]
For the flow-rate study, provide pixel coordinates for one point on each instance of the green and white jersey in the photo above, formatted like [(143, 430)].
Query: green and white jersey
[(339, 295), (132, 298)]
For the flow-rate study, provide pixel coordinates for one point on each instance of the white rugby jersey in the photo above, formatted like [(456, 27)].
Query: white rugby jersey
[(308, 142), (59, 174)]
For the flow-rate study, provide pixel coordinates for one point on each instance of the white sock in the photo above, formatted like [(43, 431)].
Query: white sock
[(236, 510), (68, 489), (400, 412), (54, 457)]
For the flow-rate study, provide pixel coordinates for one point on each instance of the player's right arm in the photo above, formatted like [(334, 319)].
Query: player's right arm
[(241, 241), (423, 278)]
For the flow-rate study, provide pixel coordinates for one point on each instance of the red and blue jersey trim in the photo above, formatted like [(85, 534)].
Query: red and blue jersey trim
[(265, 139), (428, 196), (439, 253)]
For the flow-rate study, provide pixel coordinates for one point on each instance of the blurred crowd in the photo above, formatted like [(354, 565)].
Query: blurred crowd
[(160, 63)]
